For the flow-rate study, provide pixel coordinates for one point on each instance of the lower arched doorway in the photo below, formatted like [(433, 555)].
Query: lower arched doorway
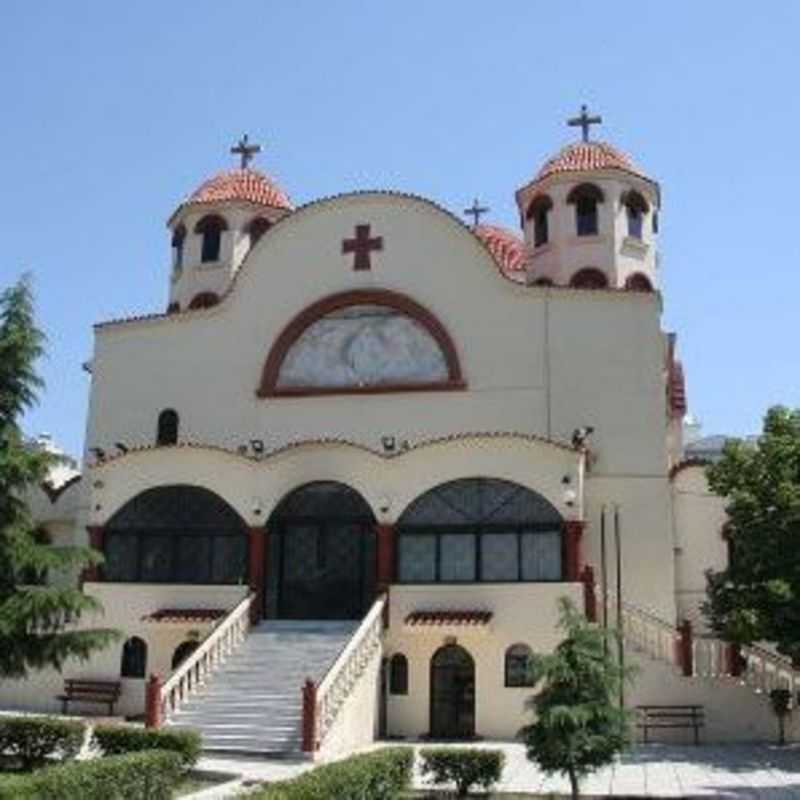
[(452, 693), (323, 560)]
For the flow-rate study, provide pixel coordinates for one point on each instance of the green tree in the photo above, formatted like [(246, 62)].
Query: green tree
[(757, 597), (579, 725), (35, 620)]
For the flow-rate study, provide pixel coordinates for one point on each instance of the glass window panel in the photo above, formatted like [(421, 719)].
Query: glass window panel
[(156, 559), (518, 671), (458, 557), (499, 557), (541, 556), (121, 557), (417, 561), (230, 559), (193, 559)]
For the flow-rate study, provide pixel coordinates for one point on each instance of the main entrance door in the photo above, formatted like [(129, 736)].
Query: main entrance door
[(325, 553), (452, 693)]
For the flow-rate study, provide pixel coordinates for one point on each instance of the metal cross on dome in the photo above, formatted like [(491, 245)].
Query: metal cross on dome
[(584, 121), (475, 212), (245, 151)]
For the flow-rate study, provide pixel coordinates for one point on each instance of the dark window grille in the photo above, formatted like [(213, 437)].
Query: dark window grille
[(398, 674), (479, 529), (518, 666), (134, 658), (211, 229), (541, 233)]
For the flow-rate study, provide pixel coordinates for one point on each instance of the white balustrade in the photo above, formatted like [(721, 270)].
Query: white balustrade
[(226, 636), (342, 677)]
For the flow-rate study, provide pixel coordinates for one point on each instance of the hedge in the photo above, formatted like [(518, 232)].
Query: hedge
[(114, 740), (32, 741), (381, 775), (136, 776), (465, 767)]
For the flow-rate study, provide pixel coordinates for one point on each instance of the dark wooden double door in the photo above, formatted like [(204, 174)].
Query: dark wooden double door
[(452, 694)]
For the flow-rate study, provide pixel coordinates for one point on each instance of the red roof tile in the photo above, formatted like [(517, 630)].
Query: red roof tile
[(241, 184), (439, 618), (587, 157), (185, 615), (508, 250)]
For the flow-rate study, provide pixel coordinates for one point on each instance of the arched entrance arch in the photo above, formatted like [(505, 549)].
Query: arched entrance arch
[(323, 557), (452, 693)]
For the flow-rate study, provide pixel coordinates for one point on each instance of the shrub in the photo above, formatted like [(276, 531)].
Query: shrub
[(114, 740), (465, 767), (136, 776), (34, 740), (381, 775)]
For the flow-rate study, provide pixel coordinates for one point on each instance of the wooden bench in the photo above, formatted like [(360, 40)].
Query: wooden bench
[(80, 690), (687, 717)]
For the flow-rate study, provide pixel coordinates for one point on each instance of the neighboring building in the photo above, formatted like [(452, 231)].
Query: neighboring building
[(364, 397)]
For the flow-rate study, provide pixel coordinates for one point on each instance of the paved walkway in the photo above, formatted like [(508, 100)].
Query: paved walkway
[(729, 771)]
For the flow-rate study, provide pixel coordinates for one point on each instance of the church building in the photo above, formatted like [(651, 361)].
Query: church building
[(343, 479)]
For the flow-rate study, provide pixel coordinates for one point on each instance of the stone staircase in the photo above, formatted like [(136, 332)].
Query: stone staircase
[(252, 703)]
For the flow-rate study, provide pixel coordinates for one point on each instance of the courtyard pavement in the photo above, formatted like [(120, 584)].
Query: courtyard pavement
[(730, 771)]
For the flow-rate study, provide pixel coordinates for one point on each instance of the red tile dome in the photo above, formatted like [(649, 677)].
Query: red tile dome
[(588, 157), (508, 250), (248, 185)]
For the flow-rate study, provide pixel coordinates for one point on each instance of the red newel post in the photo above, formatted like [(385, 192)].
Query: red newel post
[(152, 702), (735, 660), (589, 595), (572, 550), (309, 716), (685, 648), (256, 558)]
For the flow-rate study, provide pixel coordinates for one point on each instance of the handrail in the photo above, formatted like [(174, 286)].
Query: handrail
[(330, 694), (229, 632)]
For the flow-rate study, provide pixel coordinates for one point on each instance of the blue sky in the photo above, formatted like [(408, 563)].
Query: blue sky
[(113, 112)]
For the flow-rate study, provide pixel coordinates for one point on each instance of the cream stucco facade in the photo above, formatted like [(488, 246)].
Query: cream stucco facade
[(558, 401)]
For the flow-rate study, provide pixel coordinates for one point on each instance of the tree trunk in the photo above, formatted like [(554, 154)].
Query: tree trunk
[(573, 782)]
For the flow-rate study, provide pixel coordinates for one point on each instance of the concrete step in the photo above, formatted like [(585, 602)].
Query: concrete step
[(253, 702)]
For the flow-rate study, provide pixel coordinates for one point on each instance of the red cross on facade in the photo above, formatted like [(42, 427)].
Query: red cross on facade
[(362, 245)]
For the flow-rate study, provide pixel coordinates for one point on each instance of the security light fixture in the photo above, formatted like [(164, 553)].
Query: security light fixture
[(258, 446), (389, 444)]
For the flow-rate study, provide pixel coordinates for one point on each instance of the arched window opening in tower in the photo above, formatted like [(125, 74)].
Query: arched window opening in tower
[(586, 197), (178, 239), (204, 300), (636, 208), (589, 278), (211, 228), (539, 211), (168, 424), (638, 282), (256, 229)]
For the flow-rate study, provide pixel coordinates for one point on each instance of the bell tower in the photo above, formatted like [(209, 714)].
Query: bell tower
[(214, 229), (590, 217)]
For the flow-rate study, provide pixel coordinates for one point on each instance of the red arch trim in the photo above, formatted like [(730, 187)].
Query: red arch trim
[(379, 297)]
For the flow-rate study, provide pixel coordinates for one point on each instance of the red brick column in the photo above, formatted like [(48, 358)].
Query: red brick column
[(92, 572), (309, 691), (256, 570), (589, 596), (685, 648), (152, 702), (572, 549)]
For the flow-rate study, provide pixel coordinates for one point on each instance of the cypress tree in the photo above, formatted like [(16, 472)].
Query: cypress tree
[(579, 725), (38, 622)]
